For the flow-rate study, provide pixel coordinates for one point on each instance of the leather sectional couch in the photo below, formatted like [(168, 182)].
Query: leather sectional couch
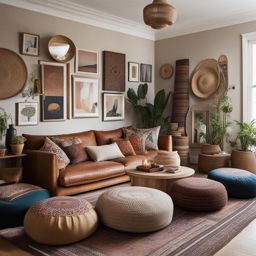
[(41, 168)]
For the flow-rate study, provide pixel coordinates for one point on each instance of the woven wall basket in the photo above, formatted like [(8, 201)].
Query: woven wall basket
[(13, 74)]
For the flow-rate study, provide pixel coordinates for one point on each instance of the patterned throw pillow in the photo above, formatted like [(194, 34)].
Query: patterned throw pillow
[(125, 146), (50, 146), (137, 140), (152, 134), (73, 148)]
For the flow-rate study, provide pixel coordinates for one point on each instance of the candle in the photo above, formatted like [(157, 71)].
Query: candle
[(146, 163)]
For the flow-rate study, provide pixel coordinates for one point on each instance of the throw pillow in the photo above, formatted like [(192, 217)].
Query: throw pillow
[(105, 152), (125, 146), (152, 134), (138, 142), (50, 146), (73, 148)]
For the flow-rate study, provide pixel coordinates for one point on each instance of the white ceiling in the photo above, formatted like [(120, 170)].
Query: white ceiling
[(126, 15)]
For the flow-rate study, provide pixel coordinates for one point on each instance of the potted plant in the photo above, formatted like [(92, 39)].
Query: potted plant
[(17, 144), (3, 122), (244, 156), (220, 128), (151, 114)]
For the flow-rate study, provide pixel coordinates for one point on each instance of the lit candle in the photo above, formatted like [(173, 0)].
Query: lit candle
[(146, 163)]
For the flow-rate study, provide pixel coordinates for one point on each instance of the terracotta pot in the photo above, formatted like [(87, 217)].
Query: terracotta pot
[(17, 148), (169, 159), (243, 160), (209, 149)]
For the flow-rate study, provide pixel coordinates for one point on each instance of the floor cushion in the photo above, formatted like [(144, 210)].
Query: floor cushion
[(60, 220), (198, 194), (135, 209), (15, 200), (239, 183)]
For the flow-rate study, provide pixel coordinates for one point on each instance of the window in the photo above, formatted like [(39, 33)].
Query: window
[(249, 76)]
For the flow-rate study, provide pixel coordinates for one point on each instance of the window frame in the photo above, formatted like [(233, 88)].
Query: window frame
[(248, 40)]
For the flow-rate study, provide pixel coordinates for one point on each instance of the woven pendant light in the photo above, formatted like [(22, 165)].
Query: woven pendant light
[(159, 14)]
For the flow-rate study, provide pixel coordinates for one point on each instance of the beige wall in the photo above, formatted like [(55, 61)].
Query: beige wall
[(199, 46), (14, 20)]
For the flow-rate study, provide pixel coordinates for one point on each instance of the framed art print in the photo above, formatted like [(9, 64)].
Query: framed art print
[(54, 91), (133, 72), (113, 107), (113, 71), (27, 113), (30, 44), (87, 62), (85, 97), (146, 73)]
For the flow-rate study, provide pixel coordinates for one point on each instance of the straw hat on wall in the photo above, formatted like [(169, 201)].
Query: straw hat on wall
[(206, 78)]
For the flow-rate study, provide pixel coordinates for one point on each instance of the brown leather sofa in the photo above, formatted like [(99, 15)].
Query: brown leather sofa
[(40, 168)]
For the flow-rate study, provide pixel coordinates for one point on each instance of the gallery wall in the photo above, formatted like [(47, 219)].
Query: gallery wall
[(14, 20)]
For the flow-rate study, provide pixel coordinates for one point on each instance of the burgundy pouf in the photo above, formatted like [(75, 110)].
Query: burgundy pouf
[(199, 194)]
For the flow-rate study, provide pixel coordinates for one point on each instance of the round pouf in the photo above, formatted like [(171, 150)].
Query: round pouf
[(239, 183), (135, 209), (60, 220), (199, 194)]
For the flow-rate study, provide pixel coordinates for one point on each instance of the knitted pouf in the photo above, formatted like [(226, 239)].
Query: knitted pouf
[(239, 183), (199, 194), (15, 200), (135, 209), (60, 220)]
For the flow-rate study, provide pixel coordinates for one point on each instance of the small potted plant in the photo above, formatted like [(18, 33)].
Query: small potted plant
[(17, 144), (220, 128), (244, 156)]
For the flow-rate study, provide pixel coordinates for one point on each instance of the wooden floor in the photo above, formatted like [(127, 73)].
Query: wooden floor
[(242, 245)]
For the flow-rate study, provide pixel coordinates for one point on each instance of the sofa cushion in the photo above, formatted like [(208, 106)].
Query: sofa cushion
[(104, 152), (105, 137), (151, 154), (88, 172), (76, 153), (131, 162), (35, 142)]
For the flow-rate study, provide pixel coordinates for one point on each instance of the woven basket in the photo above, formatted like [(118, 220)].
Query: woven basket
[(243, 160), (169, 159), (209, 149), (207, 163)]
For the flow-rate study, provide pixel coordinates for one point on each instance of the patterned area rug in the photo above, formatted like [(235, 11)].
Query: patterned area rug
[(189, 234)]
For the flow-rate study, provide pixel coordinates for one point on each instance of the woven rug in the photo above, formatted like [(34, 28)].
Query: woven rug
[(190, 234)]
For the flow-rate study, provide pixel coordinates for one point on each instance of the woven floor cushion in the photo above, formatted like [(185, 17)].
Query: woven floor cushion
[(60, 220), (135, 209), (15, 200), (239, 183), (198, 194)]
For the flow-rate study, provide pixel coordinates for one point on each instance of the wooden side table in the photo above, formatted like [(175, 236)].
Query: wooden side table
[(11, 174)]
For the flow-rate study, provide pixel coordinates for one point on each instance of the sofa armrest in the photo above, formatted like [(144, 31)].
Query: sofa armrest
[(165, 142), (41, 168)]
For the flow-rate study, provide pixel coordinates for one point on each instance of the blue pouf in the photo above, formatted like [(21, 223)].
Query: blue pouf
[(239, 183), (15, 200)]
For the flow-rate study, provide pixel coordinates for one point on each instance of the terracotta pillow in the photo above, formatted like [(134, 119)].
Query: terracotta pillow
[(50, 146), (152, 134), (138, 142), (76, 153), (125, 146)]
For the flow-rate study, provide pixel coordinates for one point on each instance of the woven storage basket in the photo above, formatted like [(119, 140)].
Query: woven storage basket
[(209, 149), (245, 160), (207, 163)]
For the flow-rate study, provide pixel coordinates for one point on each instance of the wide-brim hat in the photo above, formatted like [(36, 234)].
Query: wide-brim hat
[(206, 78)]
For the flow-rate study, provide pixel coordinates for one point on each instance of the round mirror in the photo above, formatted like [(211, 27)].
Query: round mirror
[(61, 48)]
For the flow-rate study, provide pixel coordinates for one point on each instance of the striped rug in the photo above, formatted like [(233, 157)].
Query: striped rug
[(189, 234)]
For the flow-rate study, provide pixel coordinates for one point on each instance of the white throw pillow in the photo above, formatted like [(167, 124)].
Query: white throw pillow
[(105, 152)]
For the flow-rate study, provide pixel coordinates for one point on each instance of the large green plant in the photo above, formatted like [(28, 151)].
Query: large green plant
[(219, 126), (247, 135), (151, 114)]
